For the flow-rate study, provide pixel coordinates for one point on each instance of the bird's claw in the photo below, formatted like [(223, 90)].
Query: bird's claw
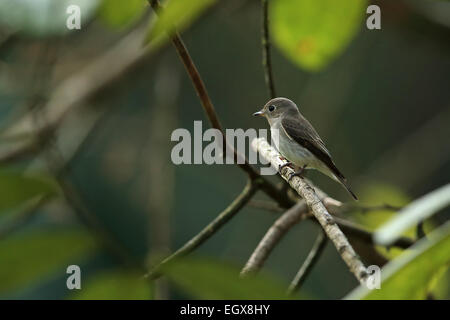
[(281, 166), (295, 174), (299, 174)]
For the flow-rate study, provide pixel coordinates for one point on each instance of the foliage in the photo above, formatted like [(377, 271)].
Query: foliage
[(17, 188), (121, 14), (417, 211), (115, 285), (210, 279), (32, 257), (410, 275), (392, 195), (313, 33), (177, 15)]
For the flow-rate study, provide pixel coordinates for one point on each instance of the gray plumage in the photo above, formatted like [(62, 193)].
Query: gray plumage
[(297, 140)]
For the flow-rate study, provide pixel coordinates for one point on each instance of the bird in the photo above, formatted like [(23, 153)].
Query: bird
[(298, 142)]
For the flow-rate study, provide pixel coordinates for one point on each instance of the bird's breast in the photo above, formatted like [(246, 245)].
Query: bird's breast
[(292, 150), (275, 136)]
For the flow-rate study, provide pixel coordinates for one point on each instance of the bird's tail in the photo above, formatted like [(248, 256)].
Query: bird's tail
[(344, 183), (339, 177)]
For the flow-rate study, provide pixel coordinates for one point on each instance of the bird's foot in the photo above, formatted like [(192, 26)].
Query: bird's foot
[(299, 173), (287, 164)]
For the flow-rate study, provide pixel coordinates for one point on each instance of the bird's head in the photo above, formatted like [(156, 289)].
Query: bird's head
[(276, 108)]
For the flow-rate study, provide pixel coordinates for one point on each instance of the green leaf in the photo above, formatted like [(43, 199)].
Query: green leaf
[(176, 16), (121, 14), (313, 33), (114, 285), (208, 279), (376, 194), (17, 188), (440, 284), (410, 275), (42, 17), (28, 258), (416, 211)]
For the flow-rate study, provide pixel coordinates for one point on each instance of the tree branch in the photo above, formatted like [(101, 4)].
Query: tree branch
[(209, 109), (317, 208), (214, 226), (266, 56), (275, 233), (348, 207), (311, 259), (266, 205), (348, 227)]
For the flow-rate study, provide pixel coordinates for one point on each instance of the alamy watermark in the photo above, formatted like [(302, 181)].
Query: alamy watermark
[(373, 21), (190, 149), (73, 21), (74, 280), (373, 281)]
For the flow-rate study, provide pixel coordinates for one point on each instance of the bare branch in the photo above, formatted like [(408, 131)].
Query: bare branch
[(348, 207), (287, 220), (311, 259), (266, 205), (209, 109), (267, 59), (214, 226), (317, 208), (364, 235), (348, 227)]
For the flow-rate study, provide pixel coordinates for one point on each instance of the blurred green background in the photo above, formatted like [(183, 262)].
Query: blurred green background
[(381, 103)]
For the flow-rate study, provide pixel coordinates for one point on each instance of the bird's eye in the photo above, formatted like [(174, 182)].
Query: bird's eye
[(271, 108)]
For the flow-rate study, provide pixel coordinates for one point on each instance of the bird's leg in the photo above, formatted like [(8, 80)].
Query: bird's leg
[(297, 174), (287, 164)]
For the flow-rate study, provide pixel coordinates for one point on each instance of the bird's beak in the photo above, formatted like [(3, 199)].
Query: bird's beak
[(259, 113)]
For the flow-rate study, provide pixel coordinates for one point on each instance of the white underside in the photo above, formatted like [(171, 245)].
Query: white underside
[(296, 154)]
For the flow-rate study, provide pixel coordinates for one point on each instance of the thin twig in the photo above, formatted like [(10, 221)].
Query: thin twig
[(362, 234), (317, 208), (266, 205), (266, 56), (311, 259), (348, 227), (208, 107), (214, 226), (275, 233), (331, 204), (369, 208)]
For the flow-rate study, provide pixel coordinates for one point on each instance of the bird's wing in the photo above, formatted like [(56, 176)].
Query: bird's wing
[(301, 131)]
